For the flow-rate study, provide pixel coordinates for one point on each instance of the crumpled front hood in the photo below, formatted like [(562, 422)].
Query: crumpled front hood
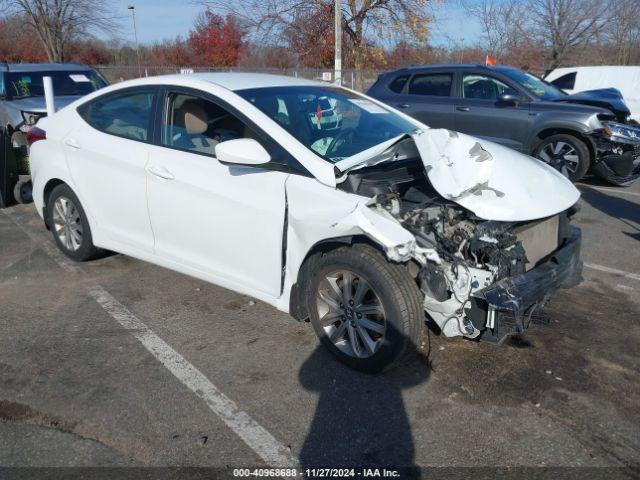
[(492, 181), (609, 98)]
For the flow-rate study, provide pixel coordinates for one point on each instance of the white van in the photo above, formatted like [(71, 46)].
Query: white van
[(578, 79)]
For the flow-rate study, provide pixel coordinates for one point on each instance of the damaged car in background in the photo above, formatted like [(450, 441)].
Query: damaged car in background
[(587, 132), (368, 228), (21, 106)]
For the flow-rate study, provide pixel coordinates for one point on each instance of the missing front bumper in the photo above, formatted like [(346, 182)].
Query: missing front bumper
[(507, 307), (606, 171)]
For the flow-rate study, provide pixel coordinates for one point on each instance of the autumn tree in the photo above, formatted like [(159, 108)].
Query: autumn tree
[(56, 23), (216, 40), (18, 44), (311, 37), (406, 53), (381, 19), (172, 52)]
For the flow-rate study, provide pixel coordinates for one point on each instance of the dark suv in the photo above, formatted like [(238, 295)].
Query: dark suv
[(577, 133)]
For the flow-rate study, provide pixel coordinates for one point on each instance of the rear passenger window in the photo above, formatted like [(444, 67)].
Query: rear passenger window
[(126, 114), (565, 82), (437, 84), (398, 83)]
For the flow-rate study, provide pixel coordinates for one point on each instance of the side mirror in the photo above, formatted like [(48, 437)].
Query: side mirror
[(242, 151), (509, 98)]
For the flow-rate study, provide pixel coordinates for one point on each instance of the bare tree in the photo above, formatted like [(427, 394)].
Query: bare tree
[(563, 25), (504, 24), (623, 30), (382, 18), (57, 22)]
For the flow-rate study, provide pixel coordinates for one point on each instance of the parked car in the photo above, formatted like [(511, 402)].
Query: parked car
[(573, 133), (360, 228), (625, 79), (22, 105)]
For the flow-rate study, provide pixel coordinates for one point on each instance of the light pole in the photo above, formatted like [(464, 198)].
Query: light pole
[(338, 43), (135, 34)]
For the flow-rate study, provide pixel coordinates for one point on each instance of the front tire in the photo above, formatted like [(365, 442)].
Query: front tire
[(69, 225), (566, 153), (365, 310)]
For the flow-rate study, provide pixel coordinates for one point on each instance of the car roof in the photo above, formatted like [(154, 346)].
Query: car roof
[(243, 81), (42, 67), (455, 66)]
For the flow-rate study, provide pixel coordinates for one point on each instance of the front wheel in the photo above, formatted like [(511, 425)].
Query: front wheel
[(566, 153), (366, 310)]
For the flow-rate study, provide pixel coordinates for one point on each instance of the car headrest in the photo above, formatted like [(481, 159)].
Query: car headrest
[(194, 117)]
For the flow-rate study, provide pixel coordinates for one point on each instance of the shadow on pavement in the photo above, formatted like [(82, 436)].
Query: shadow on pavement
[(624, 210), (360, 420)]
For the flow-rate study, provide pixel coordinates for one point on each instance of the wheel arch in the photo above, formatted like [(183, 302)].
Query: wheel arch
[(299, 290), (555, 130), (46, 193), (48, 188)]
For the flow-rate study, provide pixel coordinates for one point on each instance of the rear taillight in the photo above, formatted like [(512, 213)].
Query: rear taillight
[(34, 134)]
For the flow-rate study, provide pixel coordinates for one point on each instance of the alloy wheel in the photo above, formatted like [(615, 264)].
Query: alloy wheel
[(560, 155), (351, 313), (67, 224)]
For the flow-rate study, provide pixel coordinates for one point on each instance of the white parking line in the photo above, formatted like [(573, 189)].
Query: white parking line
[(253, 434), (614, 271), (624, 288), (265, 445), (620, 190)]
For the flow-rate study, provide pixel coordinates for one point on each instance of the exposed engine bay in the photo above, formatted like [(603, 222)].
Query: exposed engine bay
[(471, 255)]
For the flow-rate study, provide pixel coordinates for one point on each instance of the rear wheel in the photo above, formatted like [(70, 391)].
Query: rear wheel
[(365, 310), (566, 153), (69, 225)]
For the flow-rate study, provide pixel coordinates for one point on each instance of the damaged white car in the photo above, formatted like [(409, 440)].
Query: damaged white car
[(367, 227)]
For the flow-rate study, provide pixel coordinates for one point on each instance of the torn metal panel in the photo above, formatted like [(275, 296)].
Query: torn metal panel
[(492, 181)]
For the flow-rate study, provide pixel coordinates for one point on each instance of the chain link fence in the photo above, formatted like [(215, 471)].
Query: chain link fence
[(116, 73)]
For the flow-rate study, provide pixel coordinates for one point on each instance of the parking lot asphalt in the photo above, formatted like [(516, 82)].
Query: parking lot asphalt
[(159, 369)]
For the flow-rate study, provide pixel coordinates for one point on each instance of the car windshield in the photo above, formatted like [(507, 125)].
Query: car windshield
[(30, 84), (332, 122), (535, 86)]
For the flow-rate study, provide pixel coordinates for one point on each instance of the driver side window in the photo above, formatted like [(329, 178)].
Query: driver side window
[(483, 87), (197, 125)]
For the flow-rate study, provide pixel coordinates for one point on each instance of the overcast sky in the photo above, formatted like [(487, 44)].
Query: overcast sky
[(165, 19)]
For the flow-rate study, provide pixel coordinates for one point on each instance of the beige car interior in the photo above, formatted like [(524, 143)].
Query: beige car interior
[(198, 125)]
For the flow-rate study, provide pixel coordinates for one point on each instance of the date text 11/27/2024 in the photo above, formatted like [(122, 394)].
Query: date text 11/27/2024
[(317, 472)]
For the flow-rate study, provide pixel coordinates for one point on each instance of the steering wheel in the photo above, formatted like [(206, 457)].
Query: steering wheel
[(343, 135)]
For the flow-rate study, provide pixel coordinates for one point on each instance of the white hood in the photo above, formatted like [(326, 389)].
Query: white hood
[(492, 181)]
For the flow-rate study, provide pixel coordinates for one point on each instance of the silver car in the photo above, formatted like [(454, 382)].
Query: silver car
[(22, 104)]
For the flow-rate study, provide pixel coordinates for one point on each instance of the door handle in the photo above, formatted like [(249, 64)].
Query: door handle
[(70, 142), (160, 172), (404, 105), (463, 109)]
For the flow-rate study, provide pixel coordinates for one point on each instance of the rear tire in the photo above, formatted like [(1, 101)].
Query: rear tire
[(566, 153), (69, 225), (377, 314), (22, 192)]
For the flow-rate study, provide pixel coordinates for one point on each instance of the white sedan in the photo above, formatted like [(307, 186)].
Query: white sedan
[(368, 228)]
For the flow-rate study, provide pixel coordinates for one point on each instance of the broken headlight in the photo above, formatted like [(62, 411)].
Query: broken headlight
[(619, 132)]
